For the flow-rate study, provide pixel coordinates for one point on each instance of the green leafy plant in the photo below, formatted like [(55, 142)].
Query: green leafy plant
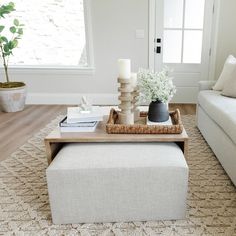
[(8, 42)]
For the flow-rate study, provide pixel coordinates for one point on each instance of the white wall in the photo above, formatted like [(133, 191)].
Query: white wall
[(113, 27), (226, 42)]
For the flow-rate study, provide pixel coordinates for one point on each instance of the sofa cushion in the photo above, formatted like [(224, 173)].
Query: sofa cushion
[(230, 86), (229, 66), (221, 109)]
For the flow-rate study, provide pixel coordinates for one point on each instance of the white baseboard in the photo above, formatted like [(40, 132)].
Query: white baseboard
[(184, 95), (71, 98)]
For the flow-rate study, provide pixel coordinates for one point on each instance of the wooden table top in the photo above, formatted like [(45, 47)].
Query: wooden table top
[(100, 135)]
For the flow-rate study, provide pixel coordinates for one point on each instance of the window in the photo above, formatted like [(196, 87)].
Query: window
[(54, 34), (183, 31)]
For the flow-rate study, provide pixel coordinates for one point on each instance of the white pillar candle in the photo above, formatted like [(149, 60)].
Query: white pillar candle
[(124, 66), (134, 79)]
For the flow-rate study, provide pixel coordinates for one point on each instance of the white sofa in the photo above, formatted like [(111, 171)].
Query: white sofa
[(216, 119)]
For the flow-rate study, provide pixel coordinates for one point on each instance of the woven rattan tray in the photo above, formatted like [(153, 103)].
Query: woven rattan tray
[(140, 127)]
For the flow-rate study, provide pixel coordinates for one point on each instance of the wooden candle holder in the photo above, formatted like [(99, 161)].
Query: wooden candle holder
[(126, 115), (135, 102)]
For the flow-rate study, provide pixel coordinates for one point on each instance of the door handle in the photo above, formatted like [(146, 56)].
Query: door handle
[(158, 49)]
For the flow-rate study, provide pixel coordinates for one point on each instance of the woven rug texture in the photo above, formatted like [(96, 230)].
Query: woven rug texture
[(25, 210)]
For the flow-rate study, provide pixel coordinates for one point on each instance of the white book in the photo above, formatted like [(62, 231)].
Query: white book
[(64, 123), (168, 122), (74, 129), (74, 115)]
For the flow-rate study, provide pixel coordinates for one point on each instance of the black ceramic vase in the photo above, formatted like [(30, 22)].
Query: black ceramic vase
[(158, 112)]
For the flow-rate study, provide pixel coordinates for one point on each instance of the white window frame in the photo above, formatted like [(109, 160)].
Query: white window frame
[(63, 70)]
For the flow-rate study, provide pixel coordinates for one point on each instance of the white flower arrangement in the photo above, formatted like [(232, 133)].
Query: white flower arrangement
[(155, 86)]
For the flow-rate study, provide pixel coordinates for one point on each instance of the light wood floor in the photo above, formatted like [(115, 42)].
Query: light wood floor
[(17, 128)]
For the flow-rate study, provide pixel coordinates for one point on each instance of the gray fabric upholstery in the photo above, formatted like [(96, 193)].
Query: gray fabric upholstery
[(117, 182), (216, 119), (221, 109), (219, 141)]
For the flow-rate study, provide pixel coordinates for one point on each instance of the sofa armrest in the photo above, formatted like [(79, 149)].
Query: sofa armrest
[(206, 84)]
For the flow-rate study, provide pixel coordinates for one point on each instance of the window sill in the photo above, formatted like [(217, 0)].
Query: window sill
[(55, 70)]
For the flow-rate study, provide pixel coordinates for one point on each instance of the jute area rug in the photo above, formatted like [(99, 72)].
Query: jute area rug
[(24, 207)]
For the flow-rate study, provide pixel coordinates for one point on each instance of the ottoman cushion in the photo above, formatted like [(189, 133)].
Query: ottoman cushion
[(107, 182)]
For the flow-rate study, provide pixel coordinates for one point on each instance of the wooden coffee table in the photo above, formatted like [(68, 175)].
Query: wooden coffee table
[(55, 140)]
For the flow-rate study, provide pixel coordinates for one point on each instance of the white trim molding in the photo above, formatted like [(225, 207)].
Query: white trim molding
[(63, 70), (71, 98), (88, 31), (49, 70), (151, 35), (214, 39), (101, 98)]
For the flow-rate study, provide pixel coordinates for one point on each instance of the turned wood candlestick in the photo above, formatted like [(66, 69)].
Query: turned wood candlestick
[(126, 115), (135, 102)]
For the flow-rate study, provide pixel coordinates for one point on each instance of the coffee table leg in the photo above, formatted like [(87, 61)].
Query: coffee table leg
[(51, 150), (184, 147)]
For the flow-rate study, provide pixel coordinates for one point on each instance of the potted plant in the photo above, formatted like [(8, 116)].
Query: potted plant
[(12, 94), (156, 88)]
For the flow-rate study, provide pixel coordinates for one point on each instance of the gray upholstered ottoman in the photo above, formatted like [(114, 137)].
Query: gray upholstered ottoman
[(117, 182)]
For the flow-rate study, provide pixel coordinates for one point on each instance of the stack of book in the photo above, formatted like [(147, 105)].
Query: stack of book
[(81, 121)]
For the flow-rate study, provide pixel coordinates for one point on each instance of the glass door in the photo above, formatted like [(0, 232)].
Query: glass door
[(183, 30)]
